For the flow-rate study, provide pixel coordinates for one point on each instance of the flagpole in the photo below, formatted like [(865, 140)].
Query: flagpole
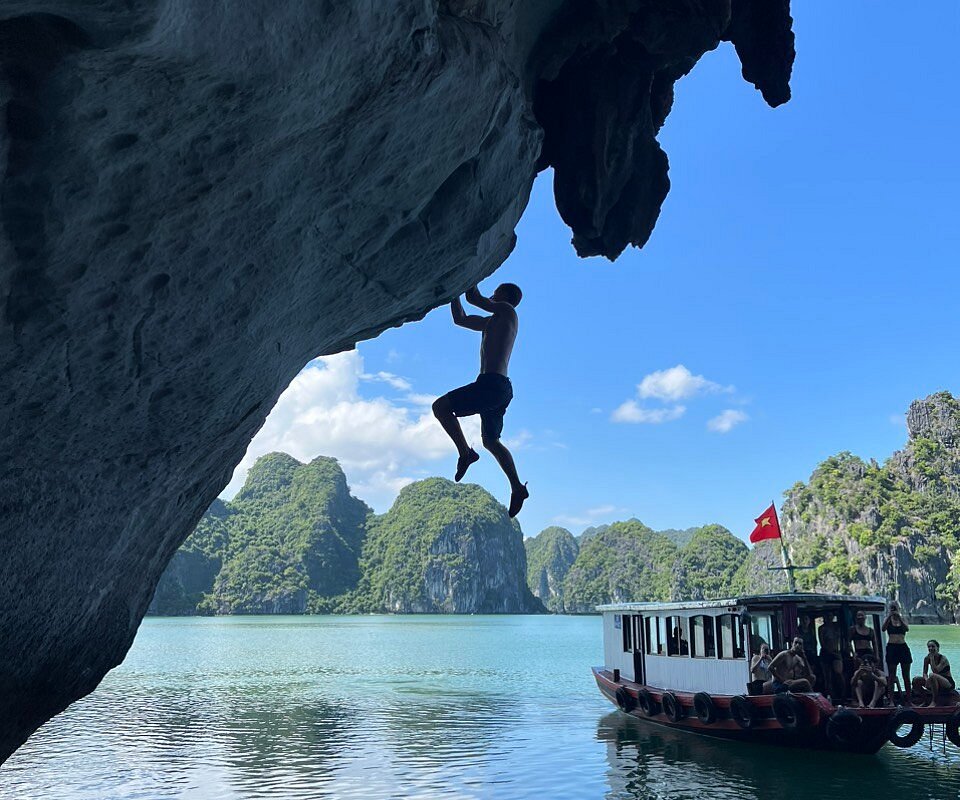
[(785, 556)]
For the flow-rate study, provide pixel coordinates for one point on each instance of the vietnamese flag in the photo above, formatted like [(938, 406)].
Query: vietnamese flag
[(767, 526)]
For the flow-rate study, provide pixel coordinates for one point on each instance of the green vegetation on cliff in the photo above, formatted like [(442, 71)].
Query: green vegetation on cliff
[(890, 529), (549, 556), (629, 562), (295, 541), (443, 547), (288, 543)]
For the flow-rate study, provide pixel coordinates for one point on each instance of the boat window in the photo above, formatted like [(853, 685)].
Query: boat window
[(650, 635), (627, 639), (678, 641), (702, 643), (662, 637), (729, 637), (761, 632)]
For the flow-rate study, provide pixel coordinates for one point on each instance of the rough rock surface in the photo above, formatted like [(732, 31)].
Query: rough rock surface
[(197, 197)]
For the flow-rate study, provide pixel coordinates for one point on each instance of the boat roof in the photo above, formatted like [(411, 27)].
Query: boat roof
[(800, 598)]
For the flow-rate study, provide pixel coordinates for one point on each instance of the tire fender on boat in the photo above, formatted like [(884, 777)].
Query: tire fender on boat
[(953, 728), (901, 717), (646, 703), (625, 700), (843, 727), (743, 711), (704, 708), (789, 711), (671, 707)]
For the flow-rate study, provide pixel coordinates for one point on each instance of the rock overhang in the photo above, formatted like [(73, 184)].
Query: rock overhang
[(195, 201)]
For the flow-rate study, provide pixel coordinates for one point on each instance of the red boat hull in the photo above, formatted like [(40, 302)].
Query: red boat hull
[(812, 731)]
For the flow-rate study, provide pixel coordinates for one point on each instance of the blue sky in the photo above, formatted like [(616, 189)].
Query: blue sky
[(803, 267)]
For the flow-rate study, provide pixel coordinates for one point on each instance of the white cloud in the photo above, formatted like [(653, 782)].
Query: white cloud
[(380, 445), (630, 411), (726, 421), (591, 516), (675, 384), (899, 420), (389, 378)]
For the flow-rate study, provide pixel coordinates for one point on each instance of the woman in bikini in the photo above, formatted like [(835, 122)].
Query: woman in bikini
[(939, 678), (862, 638), (898, 652)]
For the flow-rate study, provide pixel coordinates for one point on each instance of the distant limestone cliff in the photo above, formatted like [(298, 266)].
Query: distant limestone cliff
[(550, 554), (891, 529), (629, 562), (294, 540)]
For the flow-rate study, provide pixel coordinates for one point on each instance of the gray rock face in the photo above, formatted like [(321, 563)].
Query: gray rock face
[(197, 197), (550, 554), (444, 548)]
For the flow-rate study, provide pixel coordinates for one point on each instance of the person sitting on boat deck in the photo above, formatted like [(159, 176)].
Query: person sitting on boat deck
[(936, 672), (760, 670), (830, 658), (868, 677), (790, 670), (862, 639), (898, 651)]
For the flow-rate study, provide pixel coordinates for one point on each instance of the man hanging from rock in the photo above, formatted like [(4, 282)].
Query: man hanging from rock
[(491, 393)]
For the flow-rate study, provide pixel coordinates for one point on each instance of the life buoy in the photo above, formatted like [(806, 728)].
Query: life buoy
[(671, 707), (843, 727), (953, 728), (743, 712), (789, 711), (646, 703), (704, 708), (625, 700), (901, 717)]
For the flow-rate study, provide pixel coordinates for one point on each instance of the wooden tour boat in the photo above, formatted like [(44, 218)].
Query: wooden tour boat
[(687, 666)]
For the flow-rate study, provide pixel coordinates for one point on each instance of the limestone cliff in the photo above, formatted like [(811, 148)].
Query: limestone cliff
[(444, 548), (196, 198), (550, 555), (288, 543), (891, 529), (629, 562)]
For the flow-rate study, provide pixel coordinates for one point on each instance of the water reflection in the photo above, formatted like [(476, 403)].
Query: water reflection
[(648, 761)]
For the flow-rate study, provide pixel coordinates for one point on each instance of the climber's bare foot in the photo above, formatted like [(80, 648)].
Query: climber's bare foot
[(465, 461), (517, 496)]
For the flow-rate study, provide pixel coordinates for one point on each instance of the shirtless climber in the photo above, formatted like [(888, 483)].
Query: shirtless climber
[(491, 393)]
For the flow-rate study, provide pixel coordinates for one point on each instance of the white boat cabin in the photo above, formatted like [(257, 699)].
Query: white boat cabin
[(706, 645)]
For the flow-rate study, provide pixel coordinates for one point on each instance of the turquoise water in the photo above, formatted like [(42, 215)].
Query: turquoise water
[(420, 707)]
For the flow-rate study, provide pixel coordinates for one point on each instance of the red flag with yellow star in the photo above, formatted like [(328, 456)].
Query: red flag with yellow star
[(767, 526)]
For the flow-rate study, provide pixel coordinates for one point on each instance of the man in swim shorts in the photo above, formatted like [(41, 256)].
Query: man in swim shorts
[(491, 393)]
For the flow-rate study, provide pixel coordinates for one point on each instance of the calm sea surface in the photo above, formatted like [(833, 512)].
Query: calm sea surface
[(431, 707)]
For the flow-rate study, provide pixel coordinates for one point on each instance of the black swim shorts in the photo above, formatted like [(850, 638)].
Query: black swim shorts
[(489, 395), (898, 653)]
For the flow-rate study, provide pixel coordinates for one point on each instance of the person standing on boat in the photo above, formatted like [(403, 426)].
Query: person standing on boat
[(491, 393), (830, 658), (808, 632), (939, 678), (861, 638), (898, 652), (790, 670)]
